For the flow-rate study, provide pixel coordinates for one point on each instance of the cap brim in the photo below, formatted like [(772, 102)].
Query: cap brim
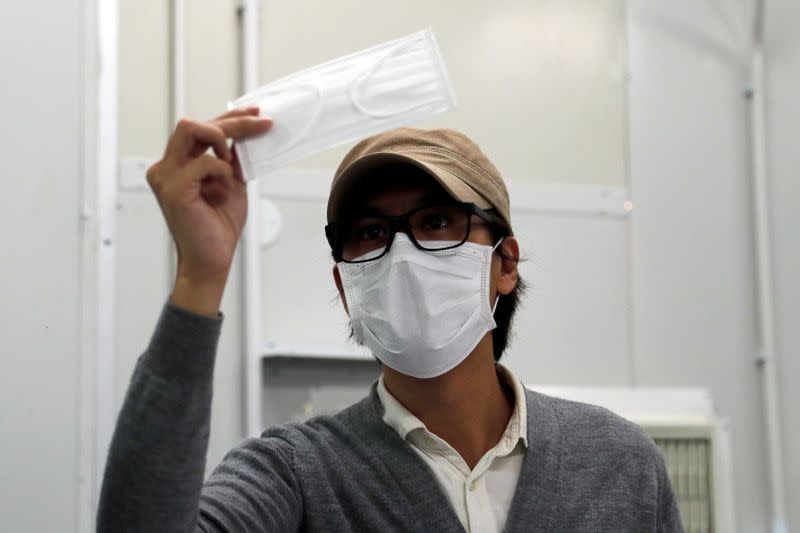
[(365, 166)]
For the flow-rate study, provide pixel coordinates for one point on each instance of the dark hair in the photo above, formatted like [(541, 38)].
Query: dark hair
[(508, 304)]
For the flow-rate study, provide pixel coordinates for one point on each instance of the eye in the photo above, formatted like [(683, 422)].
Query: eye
[(371, 232), (435, 222)]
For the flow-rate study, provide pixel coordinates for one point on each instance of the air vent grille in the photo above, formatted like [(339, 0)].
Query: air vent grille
[(688, 463)]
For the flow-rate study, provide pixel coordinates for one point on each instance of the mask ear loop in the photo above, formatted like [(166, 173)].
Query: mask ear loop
[(312, 122), (496, 296), (496, 301)]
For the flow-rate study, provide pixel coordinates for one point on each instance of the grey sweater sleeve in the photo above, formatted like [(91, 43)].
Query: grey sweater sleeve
[(154, 473)]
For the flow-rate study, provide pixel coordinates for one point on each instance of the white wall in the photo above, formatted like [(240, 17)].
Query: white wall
[(144, 118), (693, 253), (540, 83), (143, 281), (41, 146), (783, 131), (541, 89)]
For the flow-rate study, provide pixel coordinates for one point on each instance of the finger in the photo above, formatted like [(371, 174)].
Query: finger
[(241, 127), (207, 166), (216, 188), (188, 133), (239, 112)]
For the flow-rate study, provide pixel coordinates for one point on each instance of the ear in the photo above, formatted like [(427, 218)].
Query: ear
[(508, 252), (337, 279)]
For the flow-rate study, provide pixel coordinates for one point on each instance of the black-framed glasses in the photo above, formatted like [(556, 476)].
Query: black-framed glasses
[(435, 227)]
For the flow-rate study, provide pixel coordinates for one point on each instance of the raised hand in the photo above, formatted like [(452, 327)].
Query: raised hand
[(204, 201)]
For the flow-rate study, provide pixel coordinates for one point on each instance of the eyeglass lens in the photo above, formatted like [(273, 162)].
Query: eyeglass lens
[(434, 228)]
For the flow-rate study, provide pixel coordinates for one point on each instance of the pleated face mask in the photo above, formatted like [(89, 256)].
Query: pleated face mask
[(421, 312), (344, 100)]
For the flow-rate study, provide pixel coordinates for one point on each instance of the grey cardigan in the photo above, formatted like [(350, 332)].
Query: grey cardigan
[(585, 469)]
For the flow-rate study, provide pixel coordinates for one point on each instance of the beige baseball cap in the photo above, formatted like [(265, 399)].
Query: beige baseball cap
[(448, 156)]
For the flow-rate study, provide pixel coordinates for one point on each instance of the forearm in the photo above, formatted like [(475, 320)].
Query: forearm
[(156, 462)]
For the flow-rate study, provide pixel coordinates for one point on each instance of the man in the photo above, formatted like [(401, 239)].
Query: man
[(446, 440)]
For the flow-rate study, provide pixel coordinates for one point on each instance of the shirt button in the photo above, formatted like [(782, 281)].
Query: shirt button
[(472, 485)]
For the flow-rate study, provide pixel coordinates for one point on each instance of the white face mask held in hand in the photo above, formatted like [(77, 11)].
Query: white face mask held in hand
[(344, 100), (421, 312)]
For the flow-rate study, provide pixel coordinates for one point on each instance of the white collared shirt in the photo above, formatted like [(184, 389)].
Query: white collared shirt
[(481, 498)]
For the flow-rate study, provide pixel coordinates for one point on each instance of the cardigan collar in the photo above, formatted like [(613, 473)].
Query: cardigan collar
[(534, 501)]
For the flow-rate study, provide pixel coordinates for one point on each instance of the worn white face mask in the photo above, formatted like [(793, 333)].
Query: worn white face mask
[(419, 312), (344, 100)]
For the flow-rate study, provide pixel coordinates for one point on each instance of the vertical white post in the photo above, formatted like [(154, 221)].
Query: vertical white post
[(88, 393), (252, 41), (106, 158), (177, 77), (177, 97), (252, 259), (722, 467), (767, 357)]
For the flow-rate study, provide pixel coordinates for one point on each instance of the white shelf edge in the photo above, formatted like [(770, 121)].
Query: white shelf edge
[(689, 404), (313, 184), (314, 351)]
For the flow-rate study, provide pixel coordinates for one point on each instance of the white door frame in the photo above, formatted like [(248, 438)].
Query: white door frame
[(97, 410)]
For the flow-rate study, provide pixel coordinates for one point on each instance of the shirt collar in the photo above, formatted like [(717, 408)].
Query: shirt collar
[(517, 428), (395, 415), (403, 422)]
